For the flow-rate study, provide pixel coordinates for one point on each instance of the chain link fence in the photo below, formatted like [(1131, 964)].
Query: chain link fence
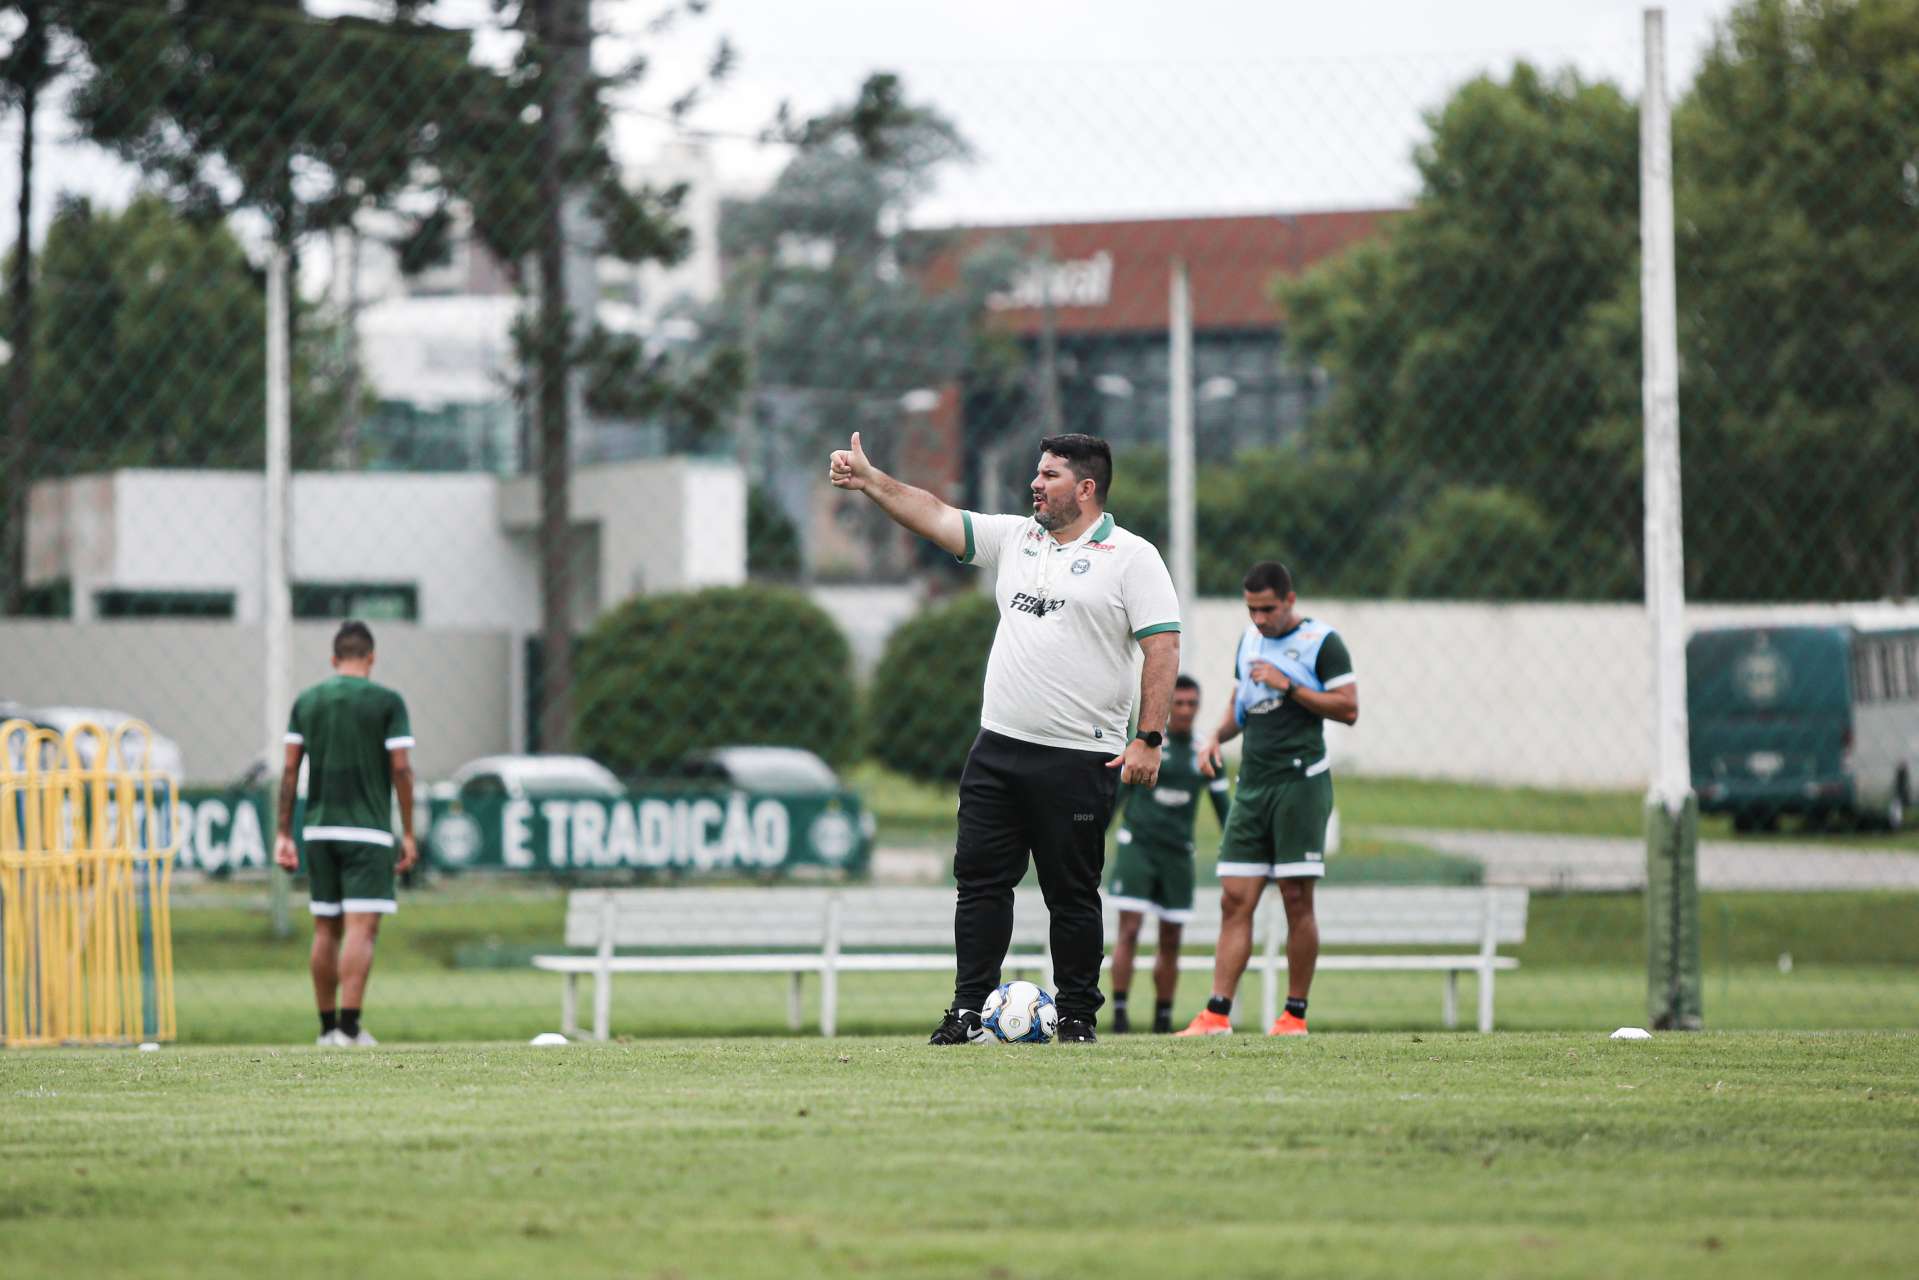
[(566, 361)]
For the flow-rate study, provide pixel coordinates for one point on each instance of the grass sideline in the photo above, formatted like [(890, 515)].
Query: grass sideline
[(911, 812), (1708, 1155)]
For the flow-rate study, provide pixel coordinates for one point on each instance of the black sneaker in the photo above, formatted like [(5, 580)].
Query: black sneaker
[(1121, 1023), (959, 1027), (1076, 1031)]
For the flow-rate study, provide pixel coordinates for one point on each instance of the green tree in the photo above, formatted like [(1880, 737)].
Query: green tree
[(152, 353), (923, 712), (1467, 344), (1796, 157)]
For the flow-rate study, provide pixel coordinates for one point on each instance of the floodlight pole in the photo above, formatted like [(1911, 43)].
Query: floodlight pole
[(1673, 986), (276, 605), (1181, 465)]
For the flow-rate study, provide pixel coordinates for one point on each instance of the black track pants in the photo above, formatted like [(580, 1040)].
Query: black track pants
[(1054, 802)]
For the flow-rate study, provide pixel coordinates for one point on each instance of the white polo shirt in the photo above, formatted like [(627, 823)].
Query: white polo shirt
[(1065, 664)]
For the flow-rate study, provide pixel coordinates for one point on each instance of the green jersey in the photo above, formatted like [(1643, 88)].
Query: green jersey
[(348, 725), (1161, 816), (1283, 737)]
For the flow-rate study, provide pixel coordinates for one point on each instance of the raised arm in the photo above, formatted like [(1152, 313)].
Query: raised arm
[(912, 509)]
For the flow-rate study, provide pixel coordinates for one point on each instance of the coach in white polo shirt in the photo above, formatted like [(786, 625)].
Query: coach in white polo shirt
[(1080, 600)]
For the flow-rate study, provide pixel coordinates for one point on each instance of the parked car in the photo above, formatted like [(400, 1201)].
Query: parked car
[(786, 770), (164, 757), (518, 777)]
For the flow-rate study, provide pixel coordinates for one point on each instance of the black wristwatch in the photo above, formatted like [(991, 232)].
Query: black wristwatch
[(1151, 738)]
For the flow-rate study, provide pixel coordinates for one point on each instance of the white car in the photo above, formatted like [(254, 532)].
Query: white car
[(163, 757), (520, 776)]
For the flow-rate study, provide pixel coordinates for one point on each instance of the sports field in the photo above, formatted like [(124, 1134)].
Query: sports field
[(1389, 1155)]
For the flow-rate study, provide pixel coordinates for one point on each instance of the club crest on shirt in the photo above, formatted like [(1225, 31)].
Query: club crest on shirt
[(1081, 566)]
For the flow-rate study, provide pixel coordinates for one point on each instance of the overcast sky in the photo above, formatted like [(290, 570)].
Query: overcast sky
[(1089, 108)]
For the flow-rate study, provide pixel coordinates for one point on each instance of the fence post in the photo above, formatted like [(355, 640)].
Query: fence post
[(1672, 811)]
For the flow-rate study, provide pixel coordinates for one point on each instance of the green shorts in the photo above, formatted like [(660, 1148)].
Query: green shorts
[(350, 877), (1152, 879), (1277, 830)]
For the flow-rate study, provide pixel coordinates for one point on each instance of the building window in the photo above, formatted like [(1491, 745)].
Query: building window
[(371, 601), (48, 600), (163, 604)]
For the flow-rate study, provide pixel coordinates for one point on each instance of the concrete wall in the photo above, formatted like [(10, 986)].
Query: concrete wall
[(1532, 695), (200, 531), (201, 683)]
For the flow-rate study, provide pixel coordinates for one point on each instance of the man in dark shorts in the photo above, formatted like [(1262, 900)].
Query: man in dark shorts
[(357, 743), (1153, 869), (1293, 674)]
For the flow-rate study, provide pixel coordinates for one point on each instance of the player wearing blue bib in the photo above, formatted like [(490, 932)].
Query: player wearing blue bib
[(1292, 675)]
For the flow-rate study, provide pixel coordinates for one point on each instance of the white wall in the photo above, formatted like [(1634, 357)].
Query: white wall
[(200, 683), (1532, 695)]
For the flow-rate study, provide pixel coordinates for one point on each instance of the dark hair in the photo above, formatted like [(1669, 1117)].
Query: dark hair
[(1185, 682), (353, 640), (1269, 575), (1090, 458)]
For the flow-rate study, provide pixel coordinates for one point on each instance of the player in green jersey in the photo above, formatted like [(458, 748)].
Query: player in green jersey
[(1293, 674), (357, 744), (1153, 872)]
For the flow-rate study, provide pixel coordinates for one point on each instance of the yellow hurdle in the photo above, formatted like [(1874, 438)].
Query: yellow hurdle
[(86, 869)]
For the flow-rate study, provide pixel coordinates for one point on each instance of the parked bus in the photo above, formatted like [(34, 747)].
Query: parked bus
[(1820, 721)]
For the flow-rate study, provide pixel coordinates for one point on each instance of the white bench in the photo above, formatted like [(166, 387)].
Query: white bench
[(823, 931), (795, 931), (1388, 916)]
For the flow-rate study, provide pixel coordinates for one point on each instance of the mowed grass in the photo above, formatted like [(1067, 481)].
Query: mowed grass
[(917, 813), (1383, 1155)]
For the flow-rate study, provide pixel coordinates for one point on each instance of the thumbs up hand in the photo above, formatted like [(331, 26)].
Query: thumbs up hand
[(849, 468)]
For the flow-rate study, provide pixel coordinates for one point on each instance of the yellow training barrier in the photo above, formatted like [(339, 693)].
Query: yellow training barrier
[(86, 866)]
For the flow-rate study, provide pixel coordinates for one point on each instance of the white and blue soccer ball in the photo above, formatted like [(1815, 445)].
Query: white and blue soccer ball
[(1020, 1013)]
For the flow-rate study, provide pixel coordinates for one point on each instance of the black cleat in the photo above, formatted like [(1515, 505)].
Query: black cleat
[(1163, 1024), (1076, 1031), (959, 1027), (1121, 1023)]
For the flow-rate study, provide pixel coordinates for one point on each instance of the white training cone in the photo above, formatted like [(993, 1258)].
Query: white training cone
[(548, 1038), (1632, 1033)]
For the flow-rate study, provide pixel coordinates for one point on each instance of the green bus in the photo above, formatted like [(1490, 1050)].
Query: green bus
[(1819, 721)]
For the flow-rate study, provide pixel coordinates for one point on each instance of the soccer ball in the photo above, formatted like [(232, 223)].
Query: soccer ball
[(1020, 1013)]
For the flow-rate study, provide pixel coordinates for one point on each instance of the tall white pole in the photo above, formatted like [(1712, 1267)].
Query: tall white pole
[(276, 605), (1665, 583), (1674, 996), (1181, 466)]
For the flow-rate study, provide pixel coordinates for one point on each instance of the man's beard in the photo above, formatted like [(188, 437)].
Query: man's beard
[(1051, 516)]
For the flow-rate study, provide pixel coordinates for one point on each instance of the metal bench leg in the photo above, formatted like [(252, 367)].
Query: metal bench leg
[(793, 1001), (829, 1002), (1486, 999), (602, 1003), (570, 1007), (1449, 1006)]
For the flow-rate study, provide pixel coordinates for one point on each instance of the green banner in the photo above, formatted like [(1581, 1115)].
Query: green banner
[(719, 832), (225, 830)]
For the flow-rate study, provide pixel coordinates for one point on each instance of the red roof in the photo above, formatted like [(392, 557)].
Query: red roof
[(1113, 277)]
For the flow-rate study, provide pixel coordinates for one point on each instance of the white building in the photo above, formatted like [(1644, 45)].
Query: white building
[(451, 551)]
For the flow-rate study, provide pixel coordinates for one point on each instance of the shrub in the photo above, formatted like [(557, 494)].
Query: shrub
[(664, 675), (923, 711)]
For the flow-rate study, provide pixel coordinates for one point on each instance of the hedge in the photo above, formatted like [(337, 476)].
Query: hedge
[(923, 709), (664, 675)]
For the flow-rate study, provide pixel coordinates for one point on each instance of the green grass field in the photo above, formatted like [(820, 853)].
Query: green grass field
[(1388, 1155), (912, 812)]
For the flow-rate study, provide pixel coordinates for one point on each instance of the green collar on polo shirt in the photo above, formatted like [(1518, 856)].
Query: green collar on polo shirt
[(1101, 527)]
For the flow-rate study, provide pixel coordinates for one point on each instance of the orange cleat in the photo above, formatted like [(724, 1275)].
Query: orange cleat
[(1287, 1025), (1208, 1023)]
